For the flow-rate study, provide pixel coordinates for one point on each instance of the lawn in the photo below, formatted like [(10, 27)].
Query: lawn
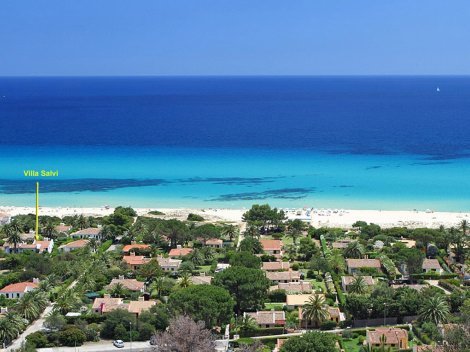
[(351, 345), (275, 306), (318, 285)]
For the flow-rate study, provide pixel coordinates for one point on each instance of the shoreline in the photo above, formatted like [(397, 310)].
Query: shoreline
[(321, 218)]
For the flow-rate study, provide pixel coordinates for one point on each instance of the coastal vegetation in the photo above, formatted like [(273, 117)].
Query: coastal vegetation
[(369, 275)]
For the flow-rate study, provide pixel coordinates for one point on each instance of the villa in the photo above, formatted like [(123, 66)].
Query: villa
[(355, 265), (293, 287), (276, 266), (179, 252), (36, 246), (107, 304), (129, 284), (62, 229), (272, 247), (296, 301), (334, 314), (18, 290), (432, 266), (169, 264), (391, 337), (346, 281), (268, 319), (135, 246), (89, 233), (137, 307), (71, 246), (283, 276), (214, 243), (134, 262)]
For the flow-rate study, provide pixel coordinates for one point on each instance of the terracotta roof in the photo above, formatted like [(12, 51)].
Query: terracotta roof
[(431, 264), (130, 284), (135, 259), (341, 244), (275, 266), (271, 245), (87, 231), (108, 304), (302, 286), (283, 275), (42, 245), (76, 244), (130, 247), (63, 228), (137, 307), (298, 300), (180, 252), (363, 263), (201, 280), (333, 312), (392, 335), (348, 280), (214, 241), (271, 317), (19, 287)]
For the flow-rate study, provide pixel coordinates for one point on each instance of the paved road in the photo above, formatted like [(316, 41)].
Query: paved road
[(34, 326), (435, 283), (102, 346)]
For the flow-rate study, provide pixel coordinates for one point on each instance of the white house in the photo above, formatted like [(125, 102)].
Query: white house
[(19, 289)]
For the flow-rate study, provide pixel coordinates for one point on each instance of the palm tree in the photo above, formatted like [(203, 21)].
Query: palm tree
[(93, 244), (49, 231), (66, 301), (28, 307), (435, 310), (336, 261), (358, 286), (230, 231), (315, 310), (185, 281), (118, 290), (12, 234), (246, 323), (354, 250), (196, 257), (82, 222), (11, 325)]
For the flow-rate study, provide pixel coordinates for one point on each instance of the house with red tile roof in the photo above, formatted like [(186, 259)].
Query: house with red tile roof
[(179, 252), (214, 243), (19, 289), (283, 276), (36, 246), (71, 246), (293, 287), (273, 247), (136, 246), (62, 228), (134, 262), (334, 314), (346, 281), (91, 232), (390, 337), (276, 266), (129, 284), (137, 307), (169, 264), (269, 318), (432, 266), (355, 265), (108, 304)]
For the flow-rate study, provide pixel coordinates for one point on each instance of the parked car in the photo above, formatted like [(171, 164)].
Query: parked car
[(118, 343)]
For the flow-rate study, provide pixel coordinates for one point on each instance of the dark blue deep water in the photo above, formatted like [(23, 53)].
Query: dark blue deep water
[(353, 131)]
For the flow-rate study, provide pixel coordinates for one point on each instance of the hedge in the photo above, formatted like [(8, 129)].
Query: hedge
[(265, 332), (432, 276)]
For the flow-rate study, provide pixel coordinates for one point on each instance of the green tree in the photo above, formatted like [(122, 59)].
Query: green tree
[(230, 231), (246, 259), (295, 228), (113, 320), (207, 303), (248, 286), (311, 342), (12, 233), (150, 270), (72, 336)]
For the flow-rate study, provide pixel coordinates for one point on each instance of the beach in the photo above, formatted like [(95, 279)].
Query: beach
[(317, 218)]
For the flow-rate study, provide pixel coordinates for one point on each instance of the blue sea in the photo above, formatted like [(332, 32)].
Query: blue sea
[(324, 142)]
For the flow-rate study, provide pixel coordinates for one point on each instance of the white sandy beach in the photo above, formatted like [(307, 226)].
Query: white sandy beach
[(326, 218)]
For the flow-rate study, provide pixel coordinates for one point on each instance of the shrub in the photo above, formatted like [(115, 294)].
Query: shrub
[(71, 337), (156, 212), (37, 339), (328, 325), (295, 266), (195, 217), (278, 296)]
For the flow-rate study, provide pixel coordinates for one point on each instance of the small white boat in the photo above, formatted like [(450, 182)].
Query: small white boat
[(438, 90)]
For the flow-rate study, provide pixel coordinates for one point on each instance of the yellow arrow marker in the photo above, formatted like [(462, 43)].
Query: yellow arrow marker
[(37, 212)]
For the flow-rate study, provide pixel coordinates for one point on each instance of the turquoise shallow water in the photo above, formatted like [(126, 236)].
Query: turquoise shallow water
[(231, 178)]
